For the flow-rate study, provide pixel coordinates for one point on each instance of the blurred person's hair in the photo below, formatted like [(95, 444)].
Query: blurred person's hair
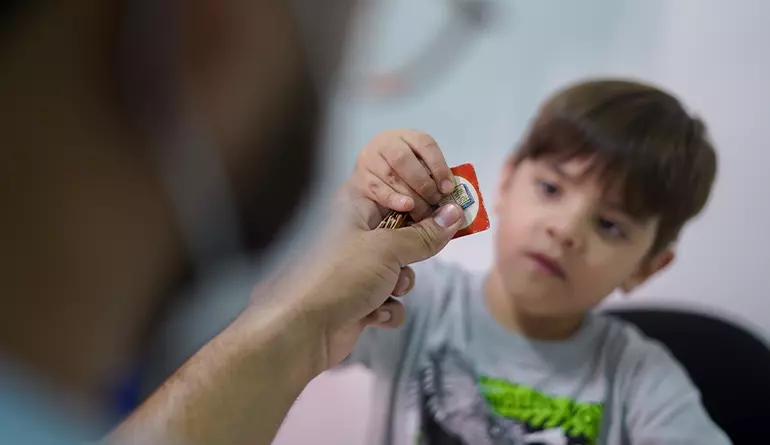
[(636, 136), (139, 66), (9, 13)]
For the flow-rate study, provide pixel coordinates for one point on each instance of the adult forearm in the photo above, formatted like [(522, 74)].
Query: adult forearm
[(235, 390)]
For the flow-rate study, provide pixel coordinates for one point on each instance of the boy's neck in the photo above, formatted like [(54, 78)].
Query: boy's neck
[(504, 310)]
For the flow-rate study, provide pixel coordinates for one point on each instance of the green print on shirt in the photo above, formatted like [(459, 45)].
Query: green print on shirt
[(541, 410)]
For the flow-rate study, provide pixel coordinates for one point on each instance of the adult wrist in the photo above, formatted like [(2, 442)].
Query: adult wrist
[(282, 332)]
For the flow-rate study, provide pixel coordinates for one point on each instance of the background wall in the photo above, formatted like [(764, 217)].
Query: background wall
[(710, 52)]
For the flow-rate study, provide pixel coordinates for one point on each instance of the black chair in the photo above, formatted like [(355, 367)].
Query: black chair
[(729, 364)]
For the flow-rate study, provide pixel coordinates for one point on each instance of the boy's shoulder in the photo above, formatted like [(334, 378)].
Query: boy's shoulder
[(641, 361), (658, 400)]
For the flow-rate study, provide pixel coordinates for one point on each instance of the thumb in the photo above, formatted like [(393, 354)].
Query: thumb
[(421, 241)]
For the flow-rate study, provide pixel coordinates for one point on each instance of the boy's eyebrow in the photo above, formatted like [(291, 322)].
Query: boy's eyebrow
[(556, 167), (611, 204), (619, 207), (616, 206)]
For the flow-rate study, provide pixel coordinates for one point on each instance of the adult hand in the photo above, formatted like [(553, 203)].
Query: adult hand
[(402, 170), (345, 283)]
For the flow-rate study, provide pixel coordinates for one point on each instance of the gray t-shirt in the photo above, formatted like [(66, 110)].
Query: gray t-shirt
[(452, 375)]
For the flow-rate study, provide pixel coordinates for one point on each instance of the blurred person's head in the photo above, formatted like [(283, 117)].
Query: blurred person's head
[(141, 138), (597, 194)]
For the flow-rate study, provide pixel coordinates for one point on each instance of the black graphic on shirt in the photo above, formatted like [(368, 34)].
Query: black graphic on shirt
[(459, 407)]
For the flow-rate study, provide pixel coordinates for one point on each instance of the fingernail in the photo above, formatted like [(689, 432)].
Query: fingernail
[(447, 186), (403, 283), (384, 316), (403, 201), (447, 215)]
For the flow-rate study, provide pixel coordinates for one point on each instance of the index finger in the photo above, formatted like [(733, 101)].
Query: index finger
[(429, 152)]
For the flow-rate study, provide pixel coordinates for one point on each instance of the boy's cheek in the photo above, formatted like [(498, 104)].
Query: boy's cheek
[(515, 225)]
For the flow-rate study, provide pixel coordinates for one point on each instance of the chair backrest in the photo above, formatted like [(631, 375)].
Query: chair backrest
[(729, 365)]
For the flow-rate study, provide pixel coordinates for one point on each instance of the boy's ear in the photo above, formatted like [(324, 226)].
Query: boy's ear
[(506, 177), (647, 269)]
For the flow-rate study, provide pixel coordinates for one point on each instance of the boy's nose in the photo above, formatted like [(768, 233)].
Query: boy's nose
[(567, 232)]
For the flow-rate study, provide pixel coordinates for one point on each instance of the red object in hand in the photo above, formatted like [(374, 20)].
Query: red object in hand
[(468, 196)]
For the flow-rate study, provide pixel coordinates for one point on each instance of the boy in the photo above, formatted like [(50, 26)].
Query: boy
[(592, 201)]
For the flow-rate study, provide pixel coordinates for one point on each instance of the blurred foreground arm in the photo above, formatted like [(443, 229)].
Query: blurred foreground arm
[(238, 388)]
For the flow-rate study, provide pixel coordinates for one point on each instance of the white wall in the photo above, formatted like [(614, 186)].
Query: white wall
[(713, 53)]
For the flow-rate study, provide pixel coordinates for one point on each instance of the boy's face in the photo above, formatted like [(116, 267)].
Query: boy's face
[(564, 242)]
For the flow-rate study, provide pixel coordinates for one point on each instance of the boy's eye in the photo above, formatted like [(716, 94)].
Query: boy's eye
[(548, 188), (611, 228)]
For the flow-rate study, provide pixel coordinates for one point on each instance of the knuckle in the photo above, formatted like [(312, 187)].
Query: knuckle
[(426, 187), (384, 142), (400, 157), (380, 137), (373, 187), (429, 190), (391, 178), (378, 145), (424, 140), (428, 238)]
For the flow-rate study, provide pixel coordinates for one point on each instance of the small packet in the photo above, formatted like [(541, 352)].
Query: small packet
[(466, 194)]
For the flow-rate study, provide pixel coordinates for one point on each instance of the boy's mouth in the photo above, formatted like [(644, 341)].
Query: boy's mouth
[(548, 264)]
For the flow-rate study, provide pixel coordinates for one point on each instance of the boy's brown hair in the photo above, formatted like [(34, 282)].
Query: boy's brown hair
[(636, 134)]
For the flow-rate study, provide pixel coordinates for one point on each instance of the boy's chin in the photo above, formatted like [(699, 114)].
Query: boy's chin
[(540, 302)]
